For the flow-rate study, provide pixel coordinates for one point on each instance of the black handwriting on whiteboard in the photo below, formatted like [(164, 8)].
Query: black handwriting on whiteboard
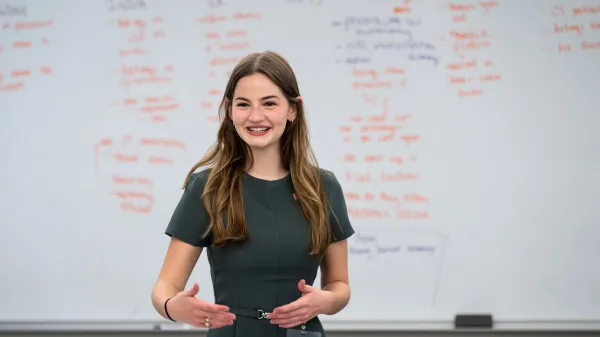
[(310, 2), (9, 11), (125, 5), (216, 3)]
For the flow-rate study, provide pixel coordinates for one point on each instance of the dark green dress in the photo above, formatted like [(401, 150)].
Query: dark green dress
[(262, 272)]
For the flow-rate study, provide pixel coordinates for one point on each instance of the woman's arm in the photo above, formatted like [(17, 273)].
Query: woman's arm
[(177, 267), (334, 276)]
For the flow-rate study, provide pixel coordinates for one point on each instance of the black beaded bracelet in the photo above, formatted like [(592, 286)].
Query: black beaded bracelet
[(166, 312)]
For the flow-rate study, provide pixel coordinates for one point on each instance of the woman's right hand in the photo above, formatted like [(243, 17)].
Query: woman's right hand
[(185, 307)]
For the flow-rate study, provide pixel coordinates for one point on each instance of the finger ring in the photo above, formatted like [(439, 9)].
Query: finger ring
[(207, 322)]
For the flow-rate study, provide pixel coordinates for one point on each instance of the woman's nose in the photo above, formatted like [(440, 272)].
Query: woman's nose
[(256, 114)]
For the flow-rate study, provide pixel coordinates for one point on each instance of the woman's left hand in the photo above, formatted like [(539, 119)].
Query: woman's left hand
[(312, 303)]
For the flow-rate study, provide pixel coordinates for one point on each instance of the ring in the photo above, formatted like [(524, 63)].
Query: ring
[(207, 322)]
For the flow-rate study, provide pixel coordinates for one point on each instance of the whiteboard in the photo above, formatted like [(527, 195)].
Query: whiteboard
[(465, 135)]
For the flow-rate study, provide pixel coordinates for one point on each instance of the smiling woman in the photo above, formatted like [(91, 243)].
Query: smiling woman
[(267, 214), (260, 120)]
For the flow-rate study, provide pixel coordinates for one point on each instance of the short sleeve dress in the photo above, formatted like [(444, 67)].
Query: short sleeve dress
[(262, 272)]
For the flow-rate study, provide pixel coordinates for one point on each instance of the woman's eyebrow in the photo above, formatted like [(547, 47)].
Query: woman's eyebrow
[(262, 99)]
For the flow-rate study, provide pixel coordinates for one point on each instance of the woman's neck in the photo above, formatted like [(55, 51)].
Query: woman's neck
[(267, 164)]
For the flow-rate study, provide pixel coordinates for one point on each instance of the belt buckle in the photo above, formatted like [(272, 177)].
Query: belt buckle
[(262, 314)]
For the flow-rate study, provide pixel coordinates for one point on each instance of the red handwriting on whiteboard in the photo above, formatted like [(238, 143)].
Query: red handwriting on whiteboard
[(137, 30), (387, 197), (22, 38), (136, 150), (133, 194), (227, 39), (575, 27), (371, 177), (374, 213), (380, 135), (157, 108), (369, 80), (146, 83), (145, 74), (404, 8), (120, 158), (14, 80), (472, 72), (373, 205), (462, 10), (382, 127)]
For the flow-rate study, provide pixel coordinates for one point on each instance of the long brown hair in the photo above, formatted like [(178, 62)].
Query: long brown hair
[(230, 154)]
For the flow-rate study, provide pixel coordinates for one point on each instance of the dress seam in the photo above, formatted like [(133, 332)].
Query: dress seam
[(273, 208)]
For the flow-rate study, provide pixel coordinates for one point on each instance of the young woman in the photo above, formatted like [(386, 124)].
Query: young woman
[(268, 215)]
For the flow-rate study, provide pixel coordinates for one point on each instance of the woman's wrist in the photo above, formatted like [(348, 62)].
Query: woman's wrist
[(167, 310), (336, 296)]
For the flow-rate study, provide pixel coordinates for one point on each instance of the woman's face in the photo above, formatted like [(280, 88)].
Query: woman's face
[(260, 111)]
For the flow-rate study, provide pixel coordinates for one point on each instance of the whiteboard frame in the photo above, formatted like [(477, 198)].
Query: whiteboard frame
[(370, 326)]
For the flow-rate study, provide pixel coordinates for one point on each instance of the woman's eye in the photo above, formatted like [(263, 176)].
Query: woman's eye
[(242, 105), (270, 104)]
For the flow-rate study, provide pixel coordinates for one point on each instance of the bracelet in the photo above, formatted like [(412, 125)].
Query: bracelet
[(166, 312)]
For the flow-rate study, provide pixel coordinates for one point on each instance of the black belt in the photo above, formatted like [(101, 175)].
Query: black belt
[(252, 313)]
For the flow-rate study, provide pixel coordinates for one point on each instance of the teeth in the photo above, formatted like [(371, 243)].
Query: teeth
[(258, 129)]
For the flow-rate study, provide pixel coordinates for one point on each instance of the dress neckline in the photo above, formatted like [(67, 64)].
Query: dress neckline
[(266, 181)]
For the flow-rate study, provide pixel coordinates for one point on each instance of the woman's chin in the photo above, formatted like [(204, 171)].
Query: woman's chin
[(258, 143)]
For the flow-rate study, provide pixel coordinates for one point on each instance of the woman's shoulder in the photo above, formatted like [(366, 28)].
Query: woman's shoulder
[(329, 180), (201, 175), (197, 180)]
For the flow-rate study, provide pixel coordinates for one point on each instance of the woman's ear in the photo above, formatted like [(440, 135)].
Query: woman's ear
[(228, 107), (294, 108)]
